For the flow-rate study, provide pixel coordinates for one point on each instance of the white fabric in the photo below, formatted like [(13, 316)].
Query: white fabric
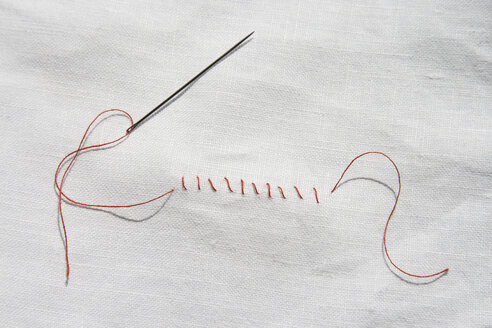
[(320, 83)]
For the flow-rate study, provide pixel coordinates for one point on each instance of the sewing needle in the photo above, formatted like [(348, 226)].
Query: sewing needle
[(131, 128)]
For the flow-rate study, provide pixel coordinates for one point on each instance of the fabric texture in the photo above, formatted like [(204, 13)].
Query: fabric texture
[(319, 83)]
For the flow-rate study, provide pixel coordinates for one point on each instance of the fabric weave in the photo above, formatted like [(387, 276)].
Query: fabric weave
[(320, 83)]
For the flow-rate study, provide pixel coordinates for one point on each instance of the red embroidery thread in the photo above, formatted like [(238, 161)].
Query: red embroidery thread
[(212, 185), (74, 154), (300, 196), (80, 149), (228, 184), (316, 195), (389, 217), (282, 192)]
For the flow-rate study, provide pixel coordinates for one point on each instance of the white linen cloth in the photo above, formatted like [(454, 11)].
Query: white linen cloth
[(319, 83)]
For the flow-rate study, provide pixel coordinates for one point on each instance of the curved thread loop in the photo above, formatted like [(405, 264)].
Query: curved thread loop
[(74, 154), (442, 272)]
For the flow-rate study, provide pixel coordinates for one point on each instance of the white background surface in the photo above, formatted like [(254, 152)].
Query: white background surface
[(321, 82)]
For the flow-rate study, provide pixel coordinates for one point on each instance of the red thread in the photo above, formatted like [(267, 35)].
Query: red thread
[(228, 184), (316, 195), (76, 153), (389, 217), (254, 186), (212, 185), (281, 191), (300, 196)]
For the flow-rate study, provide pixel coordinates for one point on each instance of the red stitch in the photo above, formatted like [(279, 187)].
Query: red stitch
[(254, 186), (228, 184), (269, 191), (183, 183), (212, 185), (198, 179), (389, 217), (316, 195), (242, 186), (298, 192), (281, 191)]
